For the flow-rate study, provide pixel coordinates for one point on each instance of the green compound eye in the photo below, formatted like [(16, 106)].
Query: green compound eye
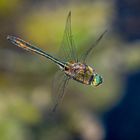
[(97, 80)]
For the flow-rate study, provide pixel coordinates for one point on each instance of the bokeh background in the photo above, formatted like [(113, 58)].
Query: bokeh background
[(109, 112)]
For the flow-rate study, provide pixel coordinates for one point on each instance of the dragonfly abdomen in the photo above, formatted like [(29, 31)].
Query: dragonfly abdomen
[(28, 47)]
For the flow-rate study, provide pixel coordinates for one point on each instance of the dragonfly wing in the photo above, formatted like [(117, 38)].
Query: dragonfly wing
[(58, 89), (88, 51), (68, 50)]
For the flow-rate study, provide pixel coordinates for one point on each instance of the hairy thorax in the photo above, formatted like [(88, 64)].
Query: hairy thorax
[(79, 72)]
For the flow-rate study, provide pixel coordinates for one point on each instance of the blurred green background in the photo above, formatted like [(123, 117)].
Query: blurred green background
[(26, 79)]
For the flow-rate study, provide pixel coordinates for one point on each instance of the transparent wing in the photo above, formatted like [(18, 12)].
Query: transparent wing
[(88, 51), (68, 50), (58, 89)]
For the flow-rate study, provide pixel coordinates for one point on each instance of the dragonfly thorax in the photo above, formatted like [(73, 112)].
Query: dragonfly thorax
[(80, 72)]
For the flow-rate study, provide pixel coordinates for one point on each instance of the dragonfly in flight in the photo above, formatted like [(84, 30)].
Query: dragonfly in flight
[(71, 66)]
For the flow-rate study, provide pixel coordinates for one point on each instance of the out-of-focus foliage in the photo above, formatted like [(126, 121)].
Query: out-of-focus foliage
[(25, 79), (7, 7), (50, 24)]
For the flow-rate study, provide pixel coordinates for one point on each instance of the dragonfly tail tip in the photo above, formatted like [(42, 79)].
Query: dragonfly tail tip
[(9, 37)]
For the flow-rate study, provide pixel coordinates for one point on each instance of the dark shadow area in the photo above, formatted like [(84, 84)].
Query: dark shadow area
[(128, 19), (123, 121)]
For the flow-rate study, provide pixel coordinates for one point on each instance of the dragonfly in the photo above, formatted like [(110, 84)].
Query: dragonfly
[(71, 66)]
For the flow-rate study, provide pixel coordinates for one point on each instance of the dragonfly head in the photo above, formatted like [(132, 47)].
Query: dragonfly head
[(97, 80)]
